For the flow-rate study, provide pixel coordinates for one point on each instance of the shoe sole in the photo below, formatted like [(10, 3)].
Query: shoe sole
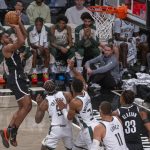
[(4, 138)]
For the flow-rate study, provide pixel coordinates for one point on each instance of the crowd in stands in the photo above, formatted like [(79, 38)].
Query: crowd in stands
[(73, 36)]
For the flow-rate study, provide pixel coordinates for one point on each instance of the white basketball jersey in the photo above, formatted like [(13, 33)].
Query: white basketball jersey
[(114, 138), (57, 117), (125, 28), (85, 116)]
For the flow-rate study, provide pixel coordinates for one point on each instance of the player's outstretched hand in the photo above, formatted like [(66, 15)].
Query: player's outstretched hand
[(61, 104), (39, 99)]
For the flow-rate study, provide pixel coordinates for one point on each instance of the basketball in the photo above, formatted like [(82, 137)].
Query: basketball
[(11, 17)]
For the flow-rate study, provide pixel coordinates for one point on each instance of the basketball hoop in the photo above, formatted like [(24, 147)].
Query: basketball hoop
[(104, 17)]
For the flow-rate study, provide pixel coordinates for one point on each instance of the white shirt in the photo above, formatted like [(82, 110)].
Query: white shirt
[(73, 15)]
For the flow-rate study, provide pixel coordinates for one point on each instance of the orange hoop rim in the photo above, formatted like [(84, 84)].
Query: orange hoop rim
[(120, 11)]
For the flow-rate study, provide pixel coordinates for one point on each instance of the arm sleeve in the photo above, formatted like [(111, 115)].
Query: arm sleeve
[(67, 14), (94, 60), (78, 42), (48, 17), (111, 64), (94, 41), (30, 16), (117, 25)]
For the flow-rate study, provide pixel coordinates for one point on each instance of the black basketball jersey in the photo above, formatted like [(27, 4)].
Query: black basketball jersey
[(14, 63), (132, 123)]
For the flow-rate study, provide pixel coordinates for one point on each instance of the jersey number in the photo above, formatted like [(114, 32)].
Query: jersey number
[(59, 113), (130, 127), (119, 139)]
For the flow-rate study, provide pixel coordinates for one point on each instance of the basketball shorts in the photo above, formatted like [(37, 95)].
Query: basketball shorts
[(57, 133), (135, 146), (18, 85), (84, 138)]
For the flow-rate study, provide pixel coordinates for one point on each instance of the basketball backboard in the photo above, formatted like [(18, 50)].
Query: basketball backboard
[(138, 10)]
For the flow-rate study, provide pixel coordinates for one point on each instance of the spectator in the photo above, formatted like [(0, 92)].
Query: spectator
[(86, 41), (61, 40), (3, 8), (19, 7), (38, 41), (38, 9), (124, 34), (107, 73), (74, 13)]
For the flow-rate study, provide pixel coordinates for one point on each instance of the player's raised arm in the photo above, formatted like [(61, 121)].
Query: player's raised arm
[(42, 106), (20, 40)]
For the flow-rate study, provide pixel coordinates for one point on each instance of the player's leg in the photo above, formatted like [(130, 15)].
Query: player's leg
[(67, 137), (51, 140), (80, 142), (34, 62), (19, 88)]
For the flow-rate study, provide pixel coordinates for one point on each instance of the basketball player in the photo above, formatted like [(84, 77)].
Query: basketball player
[(80, 108), (132, 120), (16, 82), (124, 32), (110, 131), (60, 127)]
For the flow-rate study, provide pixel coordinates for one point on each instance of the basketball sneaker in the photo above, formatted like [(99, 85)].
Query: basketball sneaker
[(34, 78), (45, 77), (12, 136), (5, 137)]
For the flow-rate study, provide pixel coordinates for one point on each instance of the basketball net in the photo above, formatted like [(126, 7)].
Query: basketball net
[(104, 17), (103, 23)]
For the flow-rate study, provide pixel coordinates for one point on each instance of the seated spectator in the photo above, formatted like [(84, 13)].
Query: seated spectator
[(19, 6), (86, 41), (124, 34), (61, 40), (38, 41), (107, 72), (38, 9), (74, 13)]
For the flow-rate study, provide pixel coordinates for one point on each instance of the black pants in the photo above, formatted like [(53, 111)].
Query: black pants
[(106, 80)]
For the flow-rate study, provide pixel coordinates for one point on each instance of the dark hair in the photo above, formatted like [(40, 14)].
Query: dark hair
[(106, 108), (62, 17), (86, 15), (49, 86), (128, 96), (39, 19), (19, 1), (77, 85)]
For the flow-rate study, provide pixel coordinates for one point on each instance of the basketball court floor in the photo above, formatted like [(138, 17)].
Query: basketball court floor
[(30, 134)]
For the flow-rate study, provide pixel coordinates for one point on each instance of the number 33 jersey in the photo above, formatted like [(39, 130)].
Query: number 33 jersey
[(132, 121), (57, 117)]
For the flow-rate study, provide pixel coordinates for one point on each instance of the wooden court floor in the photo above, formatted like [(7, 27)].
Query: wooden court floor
[(30, 134)]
